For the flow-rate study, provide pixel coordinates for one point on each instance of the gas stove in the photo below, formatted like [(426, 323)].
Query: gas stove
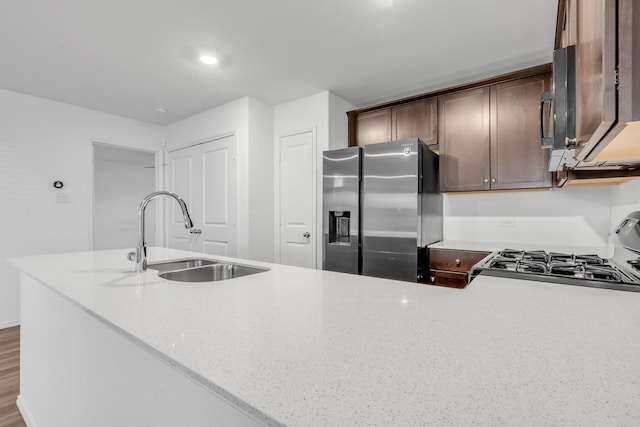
[(581, 270)]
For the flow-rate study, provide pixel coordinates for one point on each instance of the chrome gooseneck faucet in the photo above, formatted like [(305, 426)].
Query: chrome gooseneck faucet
[(140, 255)]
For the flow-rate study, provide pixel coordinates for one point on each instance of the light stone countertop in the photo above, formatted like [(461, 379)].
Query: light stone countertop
[(307, 347), (471, 245)]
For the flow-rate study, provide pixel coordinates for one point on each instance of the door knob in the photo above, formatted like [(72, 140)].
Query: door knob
[(306, 234)]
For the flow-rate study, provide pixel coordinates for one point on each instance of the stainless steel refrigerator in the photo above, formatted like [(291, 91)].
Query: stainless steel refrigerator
[(400, 209), (341, 209)]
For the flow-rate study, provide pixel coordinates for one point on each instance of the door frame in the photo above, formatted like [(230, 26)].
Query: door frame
[(92, 193), (276, 217), (165, 180)]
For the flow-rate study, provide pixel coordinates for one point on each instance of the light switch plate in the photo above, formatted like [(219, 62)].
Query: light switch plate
[(507, 222), (62, 197)]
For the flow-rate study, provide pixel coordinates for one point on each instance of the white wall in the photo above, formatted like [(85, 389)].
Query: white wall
[(324, 112), (122, 178), (338, 122), (261, 192), (250, 120), (569, 216), (42, 141)]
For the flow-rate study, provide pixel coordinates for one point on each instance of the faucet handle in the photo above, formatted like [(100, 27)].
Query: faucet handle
[(131, 256)]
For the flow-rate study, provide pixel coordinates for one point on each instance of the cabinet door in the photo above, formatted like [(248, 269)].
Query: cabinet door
[(595, 72), (416, 119), (463, 134), (517, 161), (569, 18), (373, 127)]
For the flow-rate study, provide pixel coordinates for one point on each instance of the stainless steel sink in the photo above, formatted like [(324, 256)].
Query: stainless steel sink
[(180, 264), (203, 270)]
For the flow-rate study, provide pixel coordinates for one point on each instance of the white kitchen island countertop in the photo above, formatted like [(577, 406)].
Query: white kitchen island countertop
[(307, 347)]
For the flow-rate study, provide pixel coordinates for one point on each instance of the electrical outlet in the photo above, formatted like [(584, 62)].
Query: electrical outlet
[(507, 222), (62, 197)]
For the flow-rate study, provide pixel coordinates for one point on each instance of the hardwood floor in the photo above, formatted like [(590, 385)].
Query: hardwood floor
[(10, 377)]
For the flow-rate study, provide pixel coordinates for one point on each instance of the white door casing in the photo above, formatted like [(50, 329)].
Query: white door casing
[(205, 176), (297, 199)]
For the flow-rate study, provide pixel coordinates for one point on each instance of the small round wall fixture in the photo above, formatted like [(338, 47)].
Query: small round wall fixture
[(58, 184)]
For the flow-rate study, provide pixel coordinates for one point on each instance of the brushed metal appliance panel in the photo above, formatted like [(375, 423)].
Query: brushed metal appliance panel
[(390, 210), (341, 210)]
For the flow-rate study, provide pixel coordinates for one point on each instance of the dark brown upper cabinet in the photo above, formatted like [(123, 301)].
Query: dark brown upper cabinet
[(463, 127), (486, 132), (490, 140), (607, 38), (595, 72), (516, 158), (374, 127), (410, 120), (416, 119)]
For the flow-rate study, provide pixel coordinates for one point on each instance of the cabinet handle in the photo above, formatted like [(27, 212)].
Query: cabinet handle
[(486, 180), (458, 262), (433, 279), (493, 180)]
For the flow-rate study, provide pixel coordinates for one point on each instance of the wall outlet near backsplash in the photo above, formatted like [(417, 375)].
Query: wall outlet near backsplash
[(507, 222)]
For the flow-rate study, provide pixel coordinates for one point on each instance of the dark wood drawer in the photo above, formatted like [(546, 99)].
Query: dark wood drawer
[(448, 278), (454, 260)]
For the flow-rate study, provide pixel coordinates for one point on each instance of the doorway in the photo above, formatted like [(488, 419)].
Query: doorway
[(296, 242), (205, 176), (122, 177)]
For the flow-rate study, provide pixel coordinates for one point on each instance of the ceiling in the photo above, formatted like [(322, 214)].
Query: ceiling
[(128, 56)]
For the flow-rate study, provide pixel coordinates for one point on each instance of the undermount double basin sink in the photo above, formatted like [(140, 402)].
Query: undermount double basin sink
[(202, 270)]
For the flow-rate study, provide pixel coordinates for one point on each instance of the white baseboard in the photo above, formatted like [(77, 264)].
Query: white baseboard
[(24, 411), (9, 324)]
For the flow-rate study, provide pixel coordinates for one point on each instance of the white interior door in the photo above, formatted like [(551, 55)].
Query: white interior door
[(205, 176), (297, 200)]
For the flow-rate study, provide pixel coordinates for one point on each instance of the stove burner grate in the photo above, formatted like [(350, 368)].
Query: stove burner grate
[(538, 256), (584, 270), (576, 259)]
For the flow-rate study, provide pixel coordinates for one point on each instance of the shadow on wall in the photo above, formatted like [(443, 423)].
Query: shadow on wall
[(571, 216)]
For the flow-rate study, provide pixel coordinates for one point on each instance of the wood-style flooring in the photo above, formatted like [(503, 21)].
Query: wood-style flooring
[(10, 377)]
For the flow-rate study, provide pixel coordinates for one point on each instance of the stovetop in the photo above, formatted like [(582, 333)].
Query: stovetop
[(582, 270)]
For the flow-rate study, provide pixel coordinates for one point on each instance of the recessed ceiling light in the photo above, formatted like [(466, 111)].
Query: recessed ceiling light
[(159, 109), (208, 59)]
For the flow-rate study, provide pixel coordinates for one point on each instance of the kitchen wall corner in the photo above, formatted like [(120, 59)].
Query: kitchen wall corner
[(261, 191), (252, 121)]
